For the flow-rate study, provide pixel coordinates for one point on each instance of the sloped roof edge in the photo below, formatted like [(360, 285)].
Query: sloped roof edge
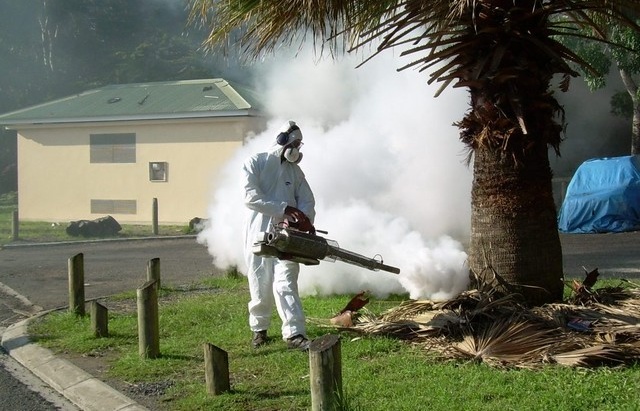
[(107, 119), (140, 101)]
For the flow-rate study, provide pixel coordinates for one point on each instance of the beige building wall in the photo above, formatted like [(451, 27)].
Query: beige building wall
[(57, 181)]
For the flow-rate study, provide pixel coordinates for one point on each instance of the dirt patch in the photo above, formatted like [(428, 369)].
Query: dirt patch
[(147, 394)]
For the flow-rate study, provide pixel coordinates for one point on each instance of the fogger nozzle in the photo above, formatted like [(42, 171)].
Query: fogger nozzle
[(305, 248)]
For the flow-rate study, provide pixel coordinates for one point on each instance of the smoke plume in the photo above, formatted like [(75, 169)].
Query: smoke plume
[(386, 167)]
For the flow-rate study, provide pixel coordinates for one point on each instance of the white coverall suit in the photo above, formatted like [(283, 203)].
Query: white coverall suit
[(272, 184)]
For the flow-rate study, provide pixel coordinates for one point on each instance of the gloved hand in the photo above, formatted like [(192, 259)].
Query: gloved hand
[(299, 220)]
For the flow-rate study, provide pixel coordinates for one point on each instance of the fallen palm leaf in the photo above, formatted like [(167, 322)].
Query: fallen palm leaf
[(357, 302), (496, 329), (345, 317), (591, 278), (591, 356), (408, 309), (508, 340)]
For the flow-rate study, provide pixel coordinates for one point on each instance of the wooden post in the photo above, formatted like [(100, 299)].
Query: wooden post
[(153, 271), (154, 214), (216, 370), (99, 320), (15, 226), (325, 373), (148, 330), (76, 284)]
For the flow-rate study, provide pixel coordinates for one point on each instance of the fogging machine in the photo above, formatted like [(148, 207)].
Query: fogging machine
[(305, 248)]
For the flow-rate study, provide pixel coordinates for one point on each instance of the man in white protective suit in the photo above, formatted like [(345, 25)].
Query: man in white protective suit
[(276, 192)]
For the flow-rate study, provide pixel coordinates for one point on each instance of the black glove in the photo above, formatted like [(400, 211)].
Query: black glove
[(299, 220)]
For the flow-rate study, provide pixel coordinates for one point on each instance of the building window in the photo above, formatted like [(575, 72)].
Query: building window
[(113, 207), (158, 171), (113, 148)]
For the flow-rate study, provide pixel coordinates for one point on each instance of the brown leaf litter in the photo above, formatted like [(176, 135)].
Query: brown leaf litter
[(594, 327)]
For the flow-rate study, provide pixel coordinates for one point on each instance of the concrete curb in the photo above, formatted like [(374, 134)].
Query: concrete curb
[(82, 389), (100, 240)]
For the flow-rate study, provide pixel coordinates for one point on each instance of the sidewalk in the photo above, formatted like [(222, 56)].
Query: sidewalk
[(79, 387)]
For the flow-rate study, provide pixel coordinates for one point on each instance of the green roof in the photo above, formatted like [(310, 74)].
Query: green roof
[(160, 100)]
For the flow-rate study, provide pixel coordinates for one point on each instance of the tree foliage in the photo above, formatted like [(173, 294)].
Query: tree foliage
[(505, 53), (54, 48), (622, 53)]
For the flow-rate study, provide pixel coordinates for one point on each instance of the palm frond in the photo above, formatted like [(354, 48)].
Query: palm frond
[(591, 356), (496, 329), (349, 25), (506, 341)]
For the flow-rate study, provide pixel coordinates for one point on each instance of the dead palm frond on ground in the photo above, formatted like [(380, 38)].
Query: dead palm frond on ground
[(594, 327)]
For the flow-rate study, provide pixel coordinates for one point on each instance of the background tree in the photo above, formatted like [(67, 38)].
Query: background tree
[(624, 55), (55, 48), (21, 78), (505, 53)]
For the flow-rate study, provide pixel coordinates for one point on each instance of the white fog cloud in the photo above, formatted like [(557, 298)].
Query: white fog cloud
[(386, 167)]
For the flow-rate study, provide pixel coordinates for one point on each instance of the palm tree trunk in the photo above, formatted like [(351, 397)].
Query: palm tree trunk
[(515, 246)]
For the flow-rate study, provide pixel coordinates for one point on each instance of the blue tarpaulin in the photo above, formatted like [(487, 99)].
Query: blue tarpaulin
[(603, 197)]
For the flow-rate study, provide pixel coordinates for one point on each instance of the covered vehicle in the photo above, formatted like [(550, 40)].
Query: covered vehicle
[(603, 197)]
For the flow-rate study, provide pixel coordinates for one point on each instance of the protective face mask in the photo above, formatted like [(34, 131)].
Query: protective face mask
[(293, 155)]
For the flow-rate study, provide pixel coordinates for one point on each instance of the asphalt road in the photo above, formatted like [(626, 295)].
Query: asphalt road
[(22, 391), (40, 273), (615, 255), (33, 278)]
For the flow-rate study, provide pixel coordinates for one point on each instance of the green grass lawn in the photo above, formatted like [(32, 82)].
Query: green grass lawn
[(42, 231), (378, 373)]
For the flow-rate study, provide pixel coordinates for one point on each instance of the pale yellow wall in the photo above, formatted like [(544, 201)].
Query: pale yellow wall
[(56, 181)]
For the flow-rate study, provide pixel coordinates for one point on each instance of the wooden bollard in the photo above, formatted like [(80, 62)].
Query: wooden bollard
[(216, 370), (15, 226), (99, 320), (76, 284), (148, 329), (154, 216), (325, 373), (153, 271)]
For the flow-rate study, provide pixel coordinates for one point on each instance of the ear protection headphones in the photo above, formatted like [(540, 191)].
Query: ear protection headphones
[(283, 137)]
